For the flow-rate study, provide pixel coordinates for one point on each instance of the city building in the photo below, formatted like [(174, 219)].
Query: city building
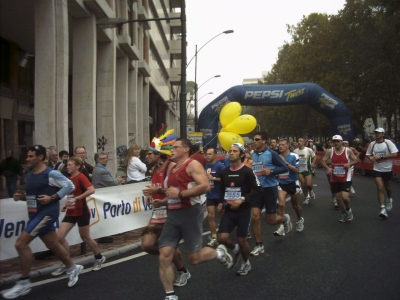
[(67, 79)]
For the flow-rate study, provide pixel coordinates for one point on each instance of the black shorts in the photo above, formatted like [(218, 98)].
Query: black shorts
[(267, 199), (82, 221), (212, 202), (290, 188), (338, 187), (386, 176), (231, 219)]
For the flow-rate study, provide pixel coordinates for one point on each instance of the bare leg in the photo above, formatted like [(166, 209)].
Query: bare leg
[(24, 253), (52, 243), (255, 222)]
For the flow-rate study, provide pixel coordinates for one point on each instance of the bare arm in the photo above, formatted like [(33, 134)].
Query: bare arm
[(325, 159)]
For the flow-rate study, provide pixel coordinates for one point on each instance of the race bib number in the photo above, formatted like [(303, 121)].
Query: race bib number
[(284, 175), (257, 168), (339, 170), (303, 164), (71, 206), (31, 204), (174, 203), (232, 194), (159, 215)]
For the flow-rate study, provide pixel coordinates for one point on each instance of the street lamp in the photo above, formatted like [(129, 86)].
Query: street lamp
[(118, 22), (195, 99), (195, 70)]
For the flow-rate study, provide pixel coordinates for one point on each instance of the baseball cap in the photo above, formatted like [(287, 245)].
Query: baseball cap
[(337, 138), (379, 129), (240, 146)]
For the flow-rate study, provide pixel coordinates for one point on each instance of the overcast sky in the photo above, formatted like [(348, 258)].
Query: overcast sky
[(260, 29)]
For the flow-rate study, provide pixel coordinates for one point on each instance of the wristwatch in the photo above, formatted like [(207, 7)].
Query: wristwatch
[(53, 197)]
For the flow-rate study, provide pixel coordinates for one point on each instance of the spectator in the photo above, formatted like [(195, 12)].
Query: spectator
[(195, 154), (80, 151), (136, 169), (53, 159), (101, 176), (62, 164), (11, 169)]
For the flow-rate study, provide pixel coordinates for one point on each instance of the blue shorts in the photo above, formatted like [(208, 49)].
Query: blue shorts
[(41, 225), (268, 199), (212, 202), (231, 219)]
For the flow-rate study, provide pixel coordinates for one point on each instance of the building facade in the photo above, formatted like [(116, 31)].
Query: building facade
[(69, 80)]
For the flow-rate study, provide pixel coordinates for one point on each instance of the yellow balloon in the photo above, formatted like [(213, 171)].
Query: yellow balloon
[(228, 138), (230, 112), (242, 124)]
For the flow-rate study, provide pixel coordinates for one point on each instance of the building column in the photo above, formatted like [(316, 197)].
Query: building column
[(105, 112), (84, 84), (121, 104), (132, 103), (139, 110), (146, 114), (51, 73)]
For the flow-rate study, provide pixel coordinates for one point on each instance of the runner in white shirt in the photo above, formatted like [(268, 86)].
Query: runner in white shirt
[(307, 159), (380, 152)]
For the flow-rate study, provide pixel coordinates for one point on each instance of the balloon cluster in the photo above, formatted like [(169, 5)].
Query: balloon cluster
[(234, 124)]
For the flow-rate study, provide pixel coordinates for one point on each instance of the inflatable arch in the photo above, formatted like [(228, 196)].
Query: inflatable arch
[(281, 94)]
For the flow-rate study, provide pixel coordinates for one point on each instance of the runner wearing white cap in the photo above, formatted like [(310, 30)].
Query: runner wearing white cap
[(342, 159), (380, 152)]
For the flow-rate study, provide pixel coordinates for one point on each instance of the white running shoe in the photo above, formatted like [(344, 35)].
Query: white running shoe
[(59, 271), (74, 275), (244, 268), (343, 218), (98, 263), (306, 200), (248, 235), (173, 297), (182, 278), (312, 194), (288, 225), (258, 250), (389, 204), (280, 231), (383, 214), (352, 190), (349, 215), (21, 287), (300, 225), (213, 242), (226, 259)]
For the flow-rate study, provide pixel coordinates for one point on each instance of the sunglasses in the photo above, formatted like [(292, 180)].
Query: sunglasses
[(256, 139)]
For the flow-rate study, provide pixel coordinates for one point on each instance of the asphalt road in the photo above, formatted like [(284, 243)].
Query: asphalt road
[(328, 260)]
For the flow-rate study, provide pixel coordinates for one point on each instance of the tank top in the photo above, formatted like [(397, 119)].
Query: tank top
[(179, 178), (159, 215), (339, 172)]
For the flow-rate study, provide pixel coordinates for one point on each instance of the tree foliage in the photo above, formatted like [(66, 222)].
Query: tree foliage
[(355, 55)]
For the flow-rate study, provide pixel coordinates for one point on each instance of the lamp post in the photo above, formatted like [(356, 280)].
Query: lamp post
[(195, 71), (196, 100), (118, 22)]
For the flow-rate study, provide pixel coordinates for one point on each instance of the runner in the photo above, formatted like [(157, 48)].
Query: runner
[(289, 185), (266, 165), (158, 160), (307, 159), (213, 171), (186, 182), (342, 159), (380, 152), (328, 176), (44, 188), (357, 154), (77, 212), (239, 186)]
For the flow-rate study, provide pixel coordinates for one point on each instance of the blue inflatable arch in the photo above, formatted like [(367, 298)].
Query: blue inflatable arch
[(281, 94)]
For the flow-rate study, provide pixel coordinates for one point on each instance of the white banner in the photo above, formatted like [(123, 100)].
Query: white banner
[(113, 210)]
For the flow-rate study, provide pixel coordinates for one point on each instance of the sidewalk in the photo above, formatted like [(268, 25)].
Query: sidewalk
[(124, 242)]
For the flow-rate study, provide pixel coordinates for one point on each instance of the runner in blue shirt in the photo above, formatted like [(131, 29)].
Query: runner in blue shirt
[(289, 184)]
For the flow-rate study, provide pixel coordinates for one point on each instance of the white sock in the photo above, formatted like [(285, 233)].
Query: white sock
[(220, 253), (72, 268), (236, 249)]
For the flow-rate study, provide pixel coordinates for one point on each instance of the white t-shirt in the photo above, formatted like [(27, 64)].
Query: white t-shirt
[(136, 169), (386, 147)]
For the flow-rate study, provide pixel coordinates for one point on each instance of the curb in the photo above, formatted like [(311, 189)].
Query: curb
[(80, 260)]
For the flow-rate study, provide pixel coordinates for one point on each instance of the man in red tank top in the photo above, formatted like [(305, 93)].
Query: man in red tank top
[(342, 159), (187, 181)]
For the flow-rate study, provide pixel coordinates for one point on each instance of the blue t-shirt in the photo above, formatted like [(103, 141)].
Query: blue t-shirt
[(271, 160), (48, 183), (227, 162), (289, 177), (215, 171)]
